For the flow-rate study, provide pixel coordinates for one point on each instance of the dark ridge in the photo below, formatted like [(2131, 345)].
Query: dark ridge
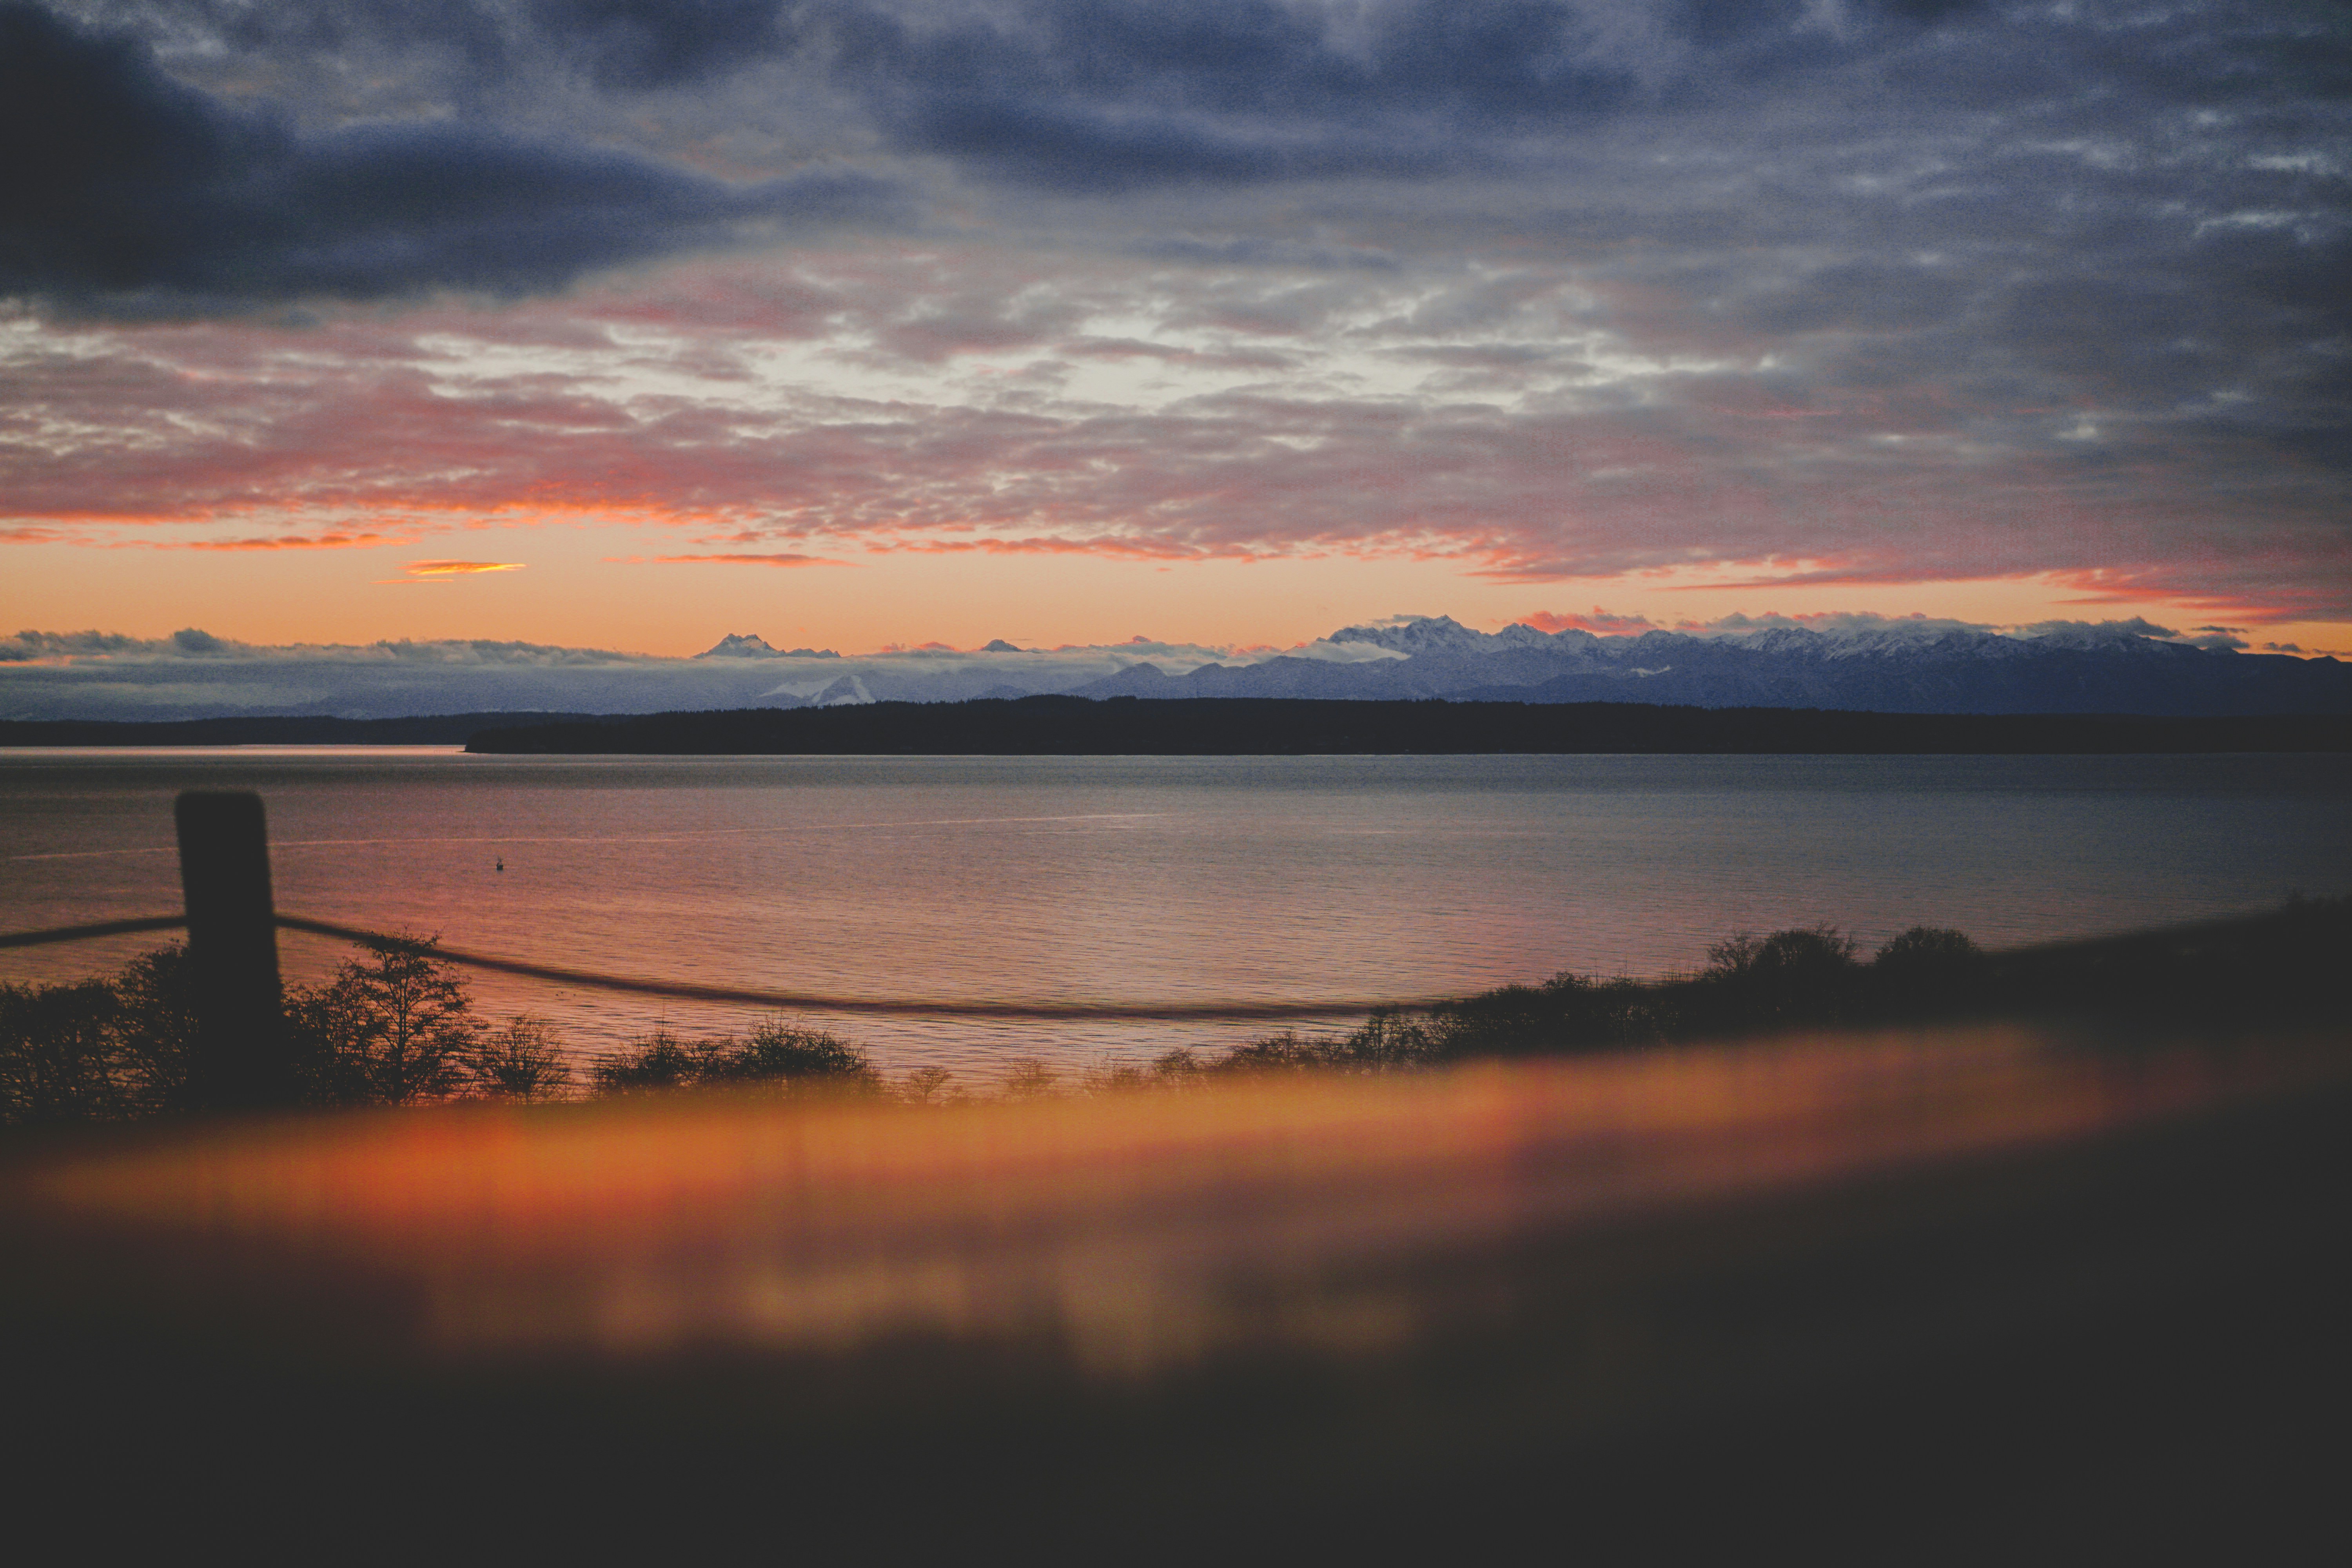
[(1127, 726), (309, 729)]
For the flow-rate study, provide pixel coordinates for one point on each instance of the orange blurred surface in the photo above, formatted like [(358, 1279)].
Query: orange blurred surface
[(1140, 1231)]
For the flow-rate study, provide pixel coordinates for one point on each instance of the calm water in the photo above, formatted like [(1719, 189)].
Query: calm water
[(1159, 879)]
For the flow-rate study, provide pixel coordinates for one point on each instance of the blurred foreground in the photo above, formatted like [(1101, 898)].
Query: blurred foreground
[(1992, 1290)]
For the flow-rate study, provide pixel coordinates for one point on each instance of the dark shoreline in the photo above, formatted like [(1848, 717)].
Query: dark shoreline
[(1076, 726), (296, 729), (1231, 726)]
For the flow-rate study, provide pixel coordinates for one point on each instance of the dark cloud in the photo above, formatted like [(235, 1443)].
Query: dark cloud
[(661, 42), (1890, 291), (1093, 95), (122, 189)]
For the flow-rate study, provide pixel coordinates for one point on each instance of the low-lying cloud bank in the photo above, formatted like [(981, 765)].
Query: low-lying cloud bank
[(193, 674), (1902, 664)]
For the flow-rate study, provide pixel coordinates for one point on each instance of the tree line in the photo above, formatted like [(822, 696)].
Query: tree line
[(395, 1024)]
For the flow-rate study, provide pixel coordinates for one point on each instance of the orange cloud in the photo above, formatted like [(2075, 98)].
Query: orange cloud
[(1047, 544), (286, 542), (779, 559), (460, 568)]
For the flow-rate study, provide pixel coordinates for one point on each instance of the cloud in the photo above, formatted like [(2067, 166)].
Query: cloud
[(460, 568), (2090, 633), (193, 643), (779, 558), (1860, 623), (1069, 95), (101, 675), (1864, 623), (283, 541), (27, 646), (1810, 293), (1600, 622), (129, 192)]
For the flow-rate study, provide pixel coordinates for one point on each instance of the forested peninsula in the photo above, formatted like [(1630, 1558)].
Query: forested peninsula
[(271, 729), (1076, 726)]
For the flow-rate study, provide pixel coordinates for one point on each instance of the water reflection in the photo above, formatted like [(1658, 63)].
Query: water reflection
[(1164, 879)]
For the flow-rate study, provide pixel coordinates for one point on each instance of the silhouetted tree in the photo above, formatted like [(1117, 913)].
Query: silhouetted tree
[(59, 1057), (1801, 975), (1028, 1078), (390, 1028), (523, 1058), (928, 1086), (1928, 970), (658, 1061), (156, 1024)]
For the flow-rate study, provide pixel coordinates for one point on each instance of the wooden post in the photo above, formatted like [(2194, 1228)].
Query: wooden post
[(241, 1062)]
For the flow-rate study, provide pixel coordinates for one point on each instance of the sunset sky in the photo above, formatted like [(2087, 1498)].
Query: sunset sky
[(629, 323)]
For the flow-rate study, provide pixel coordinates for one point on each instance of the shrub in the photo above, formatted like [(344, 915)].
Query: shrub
[(1389, 1039), (1177, 1068), (928, 1086), (1567, 1013), (778, 1054), (776, 1060), (522, 1059), (1119, 1078), (157, 1026), (1928, 969), (1805, 975), (60, 1059), (659, 1061), (1027, 1077)]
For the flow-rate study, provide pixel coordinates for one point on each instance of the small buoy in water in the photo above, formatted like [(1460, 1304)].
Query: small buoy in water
[(502, 862)]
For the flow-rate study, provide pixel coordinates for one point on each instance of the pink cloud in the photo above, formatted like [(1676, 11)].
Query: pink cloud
[(275, 436), (1599, 621), (777, 559), (283, 541)]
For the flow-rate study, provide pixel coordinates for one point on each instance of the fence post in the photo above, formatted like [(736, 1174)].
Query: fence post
[(241, 1061)]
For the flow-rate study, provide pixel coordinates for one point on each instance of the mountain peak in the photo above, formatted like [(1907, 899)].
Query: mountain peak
[(739, 644), (1418, 635), (743, 645)]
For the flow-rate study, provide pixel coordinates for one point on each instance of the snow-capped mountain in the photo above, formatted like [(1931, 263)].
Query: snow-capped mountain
[(1895, 668), (1861, 662)]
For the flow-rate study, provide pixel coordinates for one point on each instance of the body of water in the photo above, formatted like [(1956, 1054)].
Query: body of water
[(1156, 879)]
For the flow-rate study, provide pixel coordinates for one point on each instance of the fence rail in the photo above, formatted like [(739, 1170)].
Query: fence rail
[(93, 932), (762, 997), (202, 864), (814, 1003)]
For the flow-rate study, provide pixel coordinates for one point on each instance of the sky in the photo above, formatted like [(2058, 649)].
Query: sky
[(627, 324)]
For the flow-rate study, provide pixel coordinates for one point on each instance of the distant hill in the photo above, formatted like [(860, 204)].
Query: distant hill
[(1892, 669), (433, 730), (1863, 663), (1048, 726)]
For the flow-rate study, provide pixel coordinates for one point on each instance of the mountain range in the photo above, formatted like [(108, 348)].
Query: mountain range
[(1889, 670), (1865, 663)]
